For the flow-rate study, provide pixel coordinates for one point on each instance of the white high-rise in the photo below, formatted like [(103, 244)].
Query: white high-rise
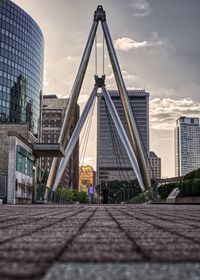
[(187, 145)]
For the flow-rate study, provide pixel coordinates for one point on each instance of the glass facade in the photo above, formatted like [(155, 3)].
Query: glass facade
[(21, 67), (112, 160), (187, 145)]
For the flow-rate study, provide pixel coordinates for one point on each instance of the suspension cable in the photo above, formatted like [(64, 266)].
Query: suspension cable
[(88, 131), (121, 175), (95, 54), (84, 139), (103, 55), (143, 144)]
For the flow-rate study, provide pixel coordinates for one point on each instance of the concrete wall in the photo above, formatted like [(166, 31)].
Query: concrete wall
[(22, 129), (14, 193)]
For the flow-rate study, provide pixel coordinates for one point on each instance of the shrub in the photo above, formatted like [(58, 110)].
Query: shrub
[(192, 175), (165, 190), (190, 187), (142, 197), (73, 195)]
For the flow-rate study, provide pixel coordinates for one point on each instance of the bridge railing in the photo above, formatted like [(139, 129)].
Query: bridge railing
[(52, 196)]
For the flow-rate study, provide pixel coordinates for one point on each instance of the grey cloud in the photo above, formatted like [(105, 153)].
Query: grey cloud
[(164, 112), (141, 8)]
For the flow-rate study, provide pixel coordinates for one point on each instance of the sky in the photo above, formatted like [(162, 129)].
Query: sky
[(157, 44)]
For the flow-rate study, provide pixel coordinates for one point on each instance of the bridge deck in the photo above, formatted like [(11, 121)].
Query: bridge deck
[(50, 242)]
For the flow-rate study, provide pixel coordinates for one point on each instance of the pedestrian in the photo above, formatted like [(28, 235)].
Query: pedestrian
[(90, 193), (105, 195)]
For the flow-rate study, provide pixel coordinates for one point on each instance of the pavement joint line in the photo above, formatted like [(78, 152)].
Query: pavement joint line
[(165, 219), (68, 242), (34, 219), (43, 227), (135, 245), (168, 214), (162, 228)]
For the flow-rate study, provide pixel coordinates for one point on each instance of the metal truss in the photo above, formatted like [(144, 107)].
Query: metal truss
[(133, 147)]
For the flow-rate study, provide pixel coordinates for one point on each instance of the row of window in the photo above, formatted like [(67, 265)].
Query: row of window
[(24, 165), (18, 56), (32, 48), (19, 16), (31, 85), (24, 67), (22, 30)]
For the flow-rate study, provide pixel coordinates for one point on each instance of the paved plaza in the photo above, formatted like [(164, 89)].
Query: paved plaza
[(100, 242)]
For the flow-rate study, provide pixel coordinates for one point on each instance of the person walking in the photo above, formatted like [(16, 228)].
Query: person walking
[(90, 193)]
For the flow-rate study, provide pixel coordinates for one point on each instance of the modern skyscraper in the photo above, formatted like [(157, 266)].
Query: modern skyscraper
[(155, 166), (21, 67), (52, 118), (112, 160), (187, 145)]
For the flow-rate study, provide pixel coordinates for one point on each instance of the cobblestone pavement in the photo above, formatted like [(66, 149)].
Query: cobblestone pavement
[(35, 238)]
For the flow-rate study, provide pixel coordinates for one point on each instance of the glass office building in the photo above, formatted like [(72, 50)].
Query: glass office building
[(112, 160), (21, 67)]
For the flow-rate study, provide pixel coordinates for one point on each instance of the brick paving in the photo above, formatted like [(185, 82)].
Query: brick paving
[(33, 238)]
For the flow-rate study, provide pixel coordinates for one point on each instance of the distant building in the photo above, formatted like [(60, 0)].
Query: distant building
[(52, 119), (112, 160), (155, 166), (87, 177), (187, 145)]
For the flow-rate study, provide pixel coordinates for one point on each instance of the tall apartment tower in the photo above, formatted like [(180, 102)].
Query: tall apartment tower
[(52, 118), (187, 145), (155, 166), (112, 160)]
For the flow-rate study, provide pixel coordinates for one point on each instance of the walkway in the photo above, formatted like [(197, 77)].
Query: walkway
[(60, 242)]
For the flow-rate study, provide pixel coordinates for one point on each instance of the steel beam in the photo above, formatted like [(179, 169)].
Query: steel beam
[(123, 136), (74, 138), (64, 134), (135, 139)]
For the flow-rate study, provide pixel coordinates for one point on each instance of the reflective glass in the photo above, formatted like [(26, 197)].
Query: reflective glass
[(21, 67)]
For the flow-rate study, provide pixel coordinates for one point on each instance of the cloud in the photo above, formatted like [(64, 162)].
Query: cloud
[(72, 58), (45, 83), (83, 98), (164, 112), (141, 8), (127, 43), (131, 81)]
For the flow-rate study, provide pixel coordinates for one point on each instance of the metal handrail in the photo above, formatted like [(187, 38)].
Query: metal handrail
[(52, 197)]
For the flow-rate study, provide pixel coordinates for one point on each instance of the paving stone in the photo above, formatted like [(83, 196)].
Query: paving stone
[(35, 237), (123, 271)]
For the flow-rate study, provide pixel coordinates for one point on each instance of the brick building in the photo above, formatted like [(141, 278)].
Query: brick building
[(52, 119)]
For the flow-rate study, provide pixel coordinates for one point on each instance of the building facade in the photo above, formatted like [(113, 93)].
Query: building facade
[(87, 177), (112, 160), (187, 145), (21, 67), (155, 166), (17, 163), (52, 119)]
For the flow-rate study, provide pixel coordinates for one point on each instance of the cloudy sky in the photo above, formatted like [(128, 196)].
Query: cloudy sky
[(158, 46)]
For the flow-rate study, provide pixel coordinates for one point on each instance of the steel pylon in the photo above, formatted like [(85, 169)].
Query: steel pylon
[(133, 147)]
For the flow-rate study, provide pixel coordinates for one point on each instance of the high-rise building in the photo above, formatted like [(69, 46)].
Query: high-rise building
[(155, 166), (52, 119), (21, 67), (112, 160), (87, 177), (187, 145)]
